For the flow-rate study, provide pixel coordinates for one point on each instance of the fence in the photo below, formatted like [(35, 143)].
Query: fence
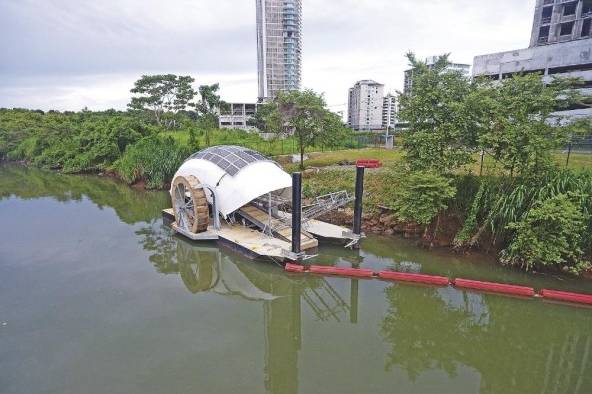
[(290, 145)]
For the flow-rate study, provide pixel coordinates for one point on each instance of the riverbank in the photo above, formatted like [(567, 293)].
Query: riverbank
[(381, 217)]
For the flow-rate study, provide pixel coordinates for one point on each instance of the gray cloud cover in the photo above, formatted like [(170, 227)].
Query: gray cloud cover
[(68, 54)]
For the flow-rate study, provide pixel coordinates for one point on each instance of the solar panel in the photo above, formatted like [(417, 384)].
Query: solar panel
[(231, 159)]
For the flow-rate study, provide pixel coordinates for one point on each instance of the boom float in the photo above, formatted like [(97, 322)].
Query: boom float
[(434, 280)]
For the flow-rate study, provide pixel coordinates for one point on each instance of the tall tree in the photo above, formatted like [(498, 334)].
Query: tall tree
[(517, 126), (440, 136), (305, 115), (163, 95), (208, 108)]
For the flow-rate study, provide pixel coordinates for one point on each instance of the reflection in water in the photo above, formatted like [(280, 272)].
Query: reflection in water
[(482, 332), (131, 205), (427, 328), (210, 269)]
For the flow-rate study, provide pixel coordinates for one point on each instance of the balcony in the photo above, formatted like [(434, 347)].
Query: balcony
[(546, 20), (543, 40)]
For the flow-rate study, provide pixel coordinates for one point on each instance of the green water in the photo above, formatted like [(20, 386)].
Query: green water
[(97, 296)]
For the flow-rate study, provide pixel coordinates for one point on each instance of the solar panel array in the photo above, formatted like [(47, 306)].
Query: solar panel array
[(230, 158)]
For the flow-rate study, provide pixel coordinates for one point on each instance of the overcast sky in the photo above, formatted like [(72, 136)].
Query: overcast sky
[(71, 54)]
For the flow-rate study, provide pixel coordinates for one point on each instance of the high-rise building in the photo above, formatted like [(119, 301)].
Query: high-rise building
[(279, 46), (560, 46), (389, 111), (465, 69), (365, 104)]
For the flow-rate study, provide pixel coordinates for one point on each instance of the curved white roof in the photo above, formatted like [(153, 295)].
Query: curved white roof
[(239, 175)]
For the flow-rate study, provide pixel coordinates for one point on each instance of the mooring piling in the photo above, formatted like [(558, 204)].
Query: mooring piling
[(296, 211), (358, 202)]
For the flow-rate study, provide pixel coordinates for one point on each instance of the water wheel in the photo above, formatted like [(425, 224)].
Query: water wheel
[(190, 204)]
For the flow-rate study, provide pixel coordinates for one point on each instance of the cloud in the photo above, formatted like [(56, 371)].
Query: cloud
[(68, 54)]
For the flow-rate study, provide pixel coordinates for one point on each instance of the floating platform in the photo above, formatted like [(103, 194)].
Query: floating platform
[(252, 243), (252, 194)]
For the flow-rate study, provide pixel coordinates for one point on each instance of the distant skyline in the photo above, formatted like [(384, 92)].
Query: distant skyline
[(66, 54)]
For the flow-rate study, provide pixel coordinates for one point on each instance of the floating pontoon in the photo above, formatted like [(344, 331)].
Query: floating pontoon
[(246, 201)]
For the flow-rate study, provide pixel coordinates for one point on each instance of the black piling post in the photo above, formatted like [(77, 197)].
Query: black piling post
[(358, 202), (296, 211)]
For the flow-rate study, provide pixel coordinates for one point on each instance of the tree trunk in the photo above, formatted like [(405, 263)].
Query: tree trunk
[(301, 154), (435, 233)]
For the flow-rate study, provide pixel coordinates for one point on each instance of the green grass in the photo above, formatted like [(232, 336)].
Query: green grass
[(320, 156), (577, 161), (349, 156), (253, 141)]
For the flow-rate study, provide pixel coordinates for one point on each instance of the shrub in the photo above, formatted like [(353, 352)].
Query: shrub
[(421, 196), (549, 236), (152, 159)]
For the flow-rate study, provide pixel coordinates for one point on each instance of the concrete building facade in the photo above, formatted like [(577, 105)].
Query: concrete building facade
[(279, 46), (237, 115), (552, 53), (465, 69), (365, 105), (389, 111), (560, 21)]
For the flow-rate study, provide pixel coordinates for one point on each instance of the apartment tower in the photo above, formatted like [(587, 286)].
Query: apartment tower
[(279, 46), (365, 104), (389, 111)]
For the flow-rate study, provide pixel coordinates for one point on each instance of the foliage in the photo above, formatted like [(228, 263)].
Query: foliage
[(470, 223), (153, 159), (441, 135), (263, 119), (501, 201), (75, 142), (421, 196), (550, 235), (305, 115), (208, 108), (163, 96), (193, 142), (516, 126)]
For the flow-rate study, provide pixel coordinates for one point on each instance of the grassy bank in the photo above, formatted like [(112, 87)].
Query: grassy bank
[(541, 220), (272, 147), (577, 161)]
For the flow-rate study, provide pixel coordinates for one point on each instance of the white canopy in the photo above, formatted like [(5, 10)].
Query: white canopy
[(237, 174)]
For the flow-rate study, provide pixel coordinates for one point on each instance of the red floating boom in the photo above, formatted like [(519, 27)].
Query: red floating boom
[(294, 268), (355, 272), (494, 287), (565, 296), (416, 278), (442, 281)]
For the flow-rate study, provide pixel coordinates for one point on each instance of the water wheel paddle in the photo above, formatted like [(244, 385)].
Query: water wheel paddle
[(190, 204)]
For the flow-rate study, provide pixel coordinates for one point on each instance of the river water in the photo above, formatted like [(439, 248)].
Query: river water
[(98, 296)]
